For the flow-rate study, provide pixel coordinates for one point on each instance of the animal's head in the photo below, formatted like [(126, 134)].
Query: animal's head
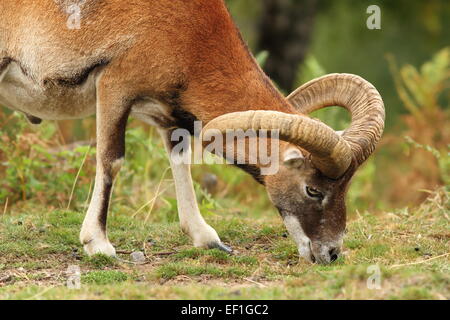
[(311, 204), (316, 163)]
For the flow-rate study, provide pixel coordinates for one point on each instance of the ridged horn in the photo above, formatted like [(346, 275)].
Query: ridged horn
[(356, 95), (330, 152)]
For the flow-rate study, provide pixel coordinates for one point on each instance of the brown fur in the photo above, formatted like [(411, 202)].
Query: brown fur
[(187, 55)]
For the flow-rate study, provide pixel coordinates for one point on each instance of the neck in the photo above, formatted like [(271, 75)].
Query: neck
[(234, 90), (223, 75)]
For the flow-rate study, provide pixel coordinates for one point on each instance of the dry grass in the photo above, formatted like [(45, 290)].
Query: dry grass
[(409, 246)]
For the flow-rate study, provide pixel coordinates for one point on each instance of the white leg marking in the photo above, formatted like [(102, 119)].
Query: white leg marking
[(191, 220), (93, 234)]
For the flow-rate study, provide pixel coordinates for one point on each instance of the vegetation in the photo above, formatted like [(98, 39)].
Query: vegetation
[(398, 203), (409, 246)]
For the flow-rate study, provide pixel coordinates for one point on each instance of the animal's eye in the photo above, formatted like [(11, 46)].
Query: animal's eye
[(314, 193)]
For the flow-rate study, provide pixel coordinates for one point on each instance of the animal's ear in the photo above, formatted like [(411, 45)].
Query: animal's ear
[(293, 158)]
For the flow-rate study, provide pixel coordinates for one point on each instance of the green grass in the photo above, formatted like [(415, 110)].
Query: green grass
[(409, 246), (104, 277)]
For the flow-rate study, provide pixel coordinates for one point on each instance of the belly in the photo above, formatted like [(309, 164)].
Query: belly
[(53, 101), (47, 101)]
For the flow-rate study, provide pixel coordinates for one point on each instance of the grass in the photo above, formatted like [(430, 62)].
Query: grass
[(52, 166), (410, 247)]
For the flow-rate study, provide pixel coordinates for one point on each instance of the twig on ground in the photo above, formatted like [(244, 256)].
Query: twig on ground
[(255, 282), (168, 253), (124, 252), (132, 262), (164, 253), (419, 262)]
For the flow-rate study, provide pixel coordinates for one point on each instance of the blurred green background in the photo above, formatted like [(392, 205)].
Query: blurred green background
[(334, 35), (408, 60)]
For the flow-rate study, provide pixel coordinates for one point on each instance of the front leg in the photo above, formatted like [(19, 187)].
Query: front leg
[(191, 220), (112, 117)]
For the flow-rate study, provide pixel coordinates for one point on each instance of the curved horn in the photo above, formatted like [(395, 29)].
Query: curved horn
[(356, 95), (330, 152)]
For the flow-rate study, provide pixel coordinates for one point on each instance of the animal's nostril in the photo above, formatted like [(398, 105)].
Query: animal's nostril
[(334, 254)]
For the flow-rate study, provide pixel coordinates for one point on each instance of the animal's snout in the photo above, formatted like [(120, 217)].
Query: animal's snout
[(325, 254)]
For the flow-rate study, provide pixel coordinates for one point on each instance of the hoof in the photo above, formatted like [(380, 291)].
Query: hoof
[(220, 246), (99, 247)]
